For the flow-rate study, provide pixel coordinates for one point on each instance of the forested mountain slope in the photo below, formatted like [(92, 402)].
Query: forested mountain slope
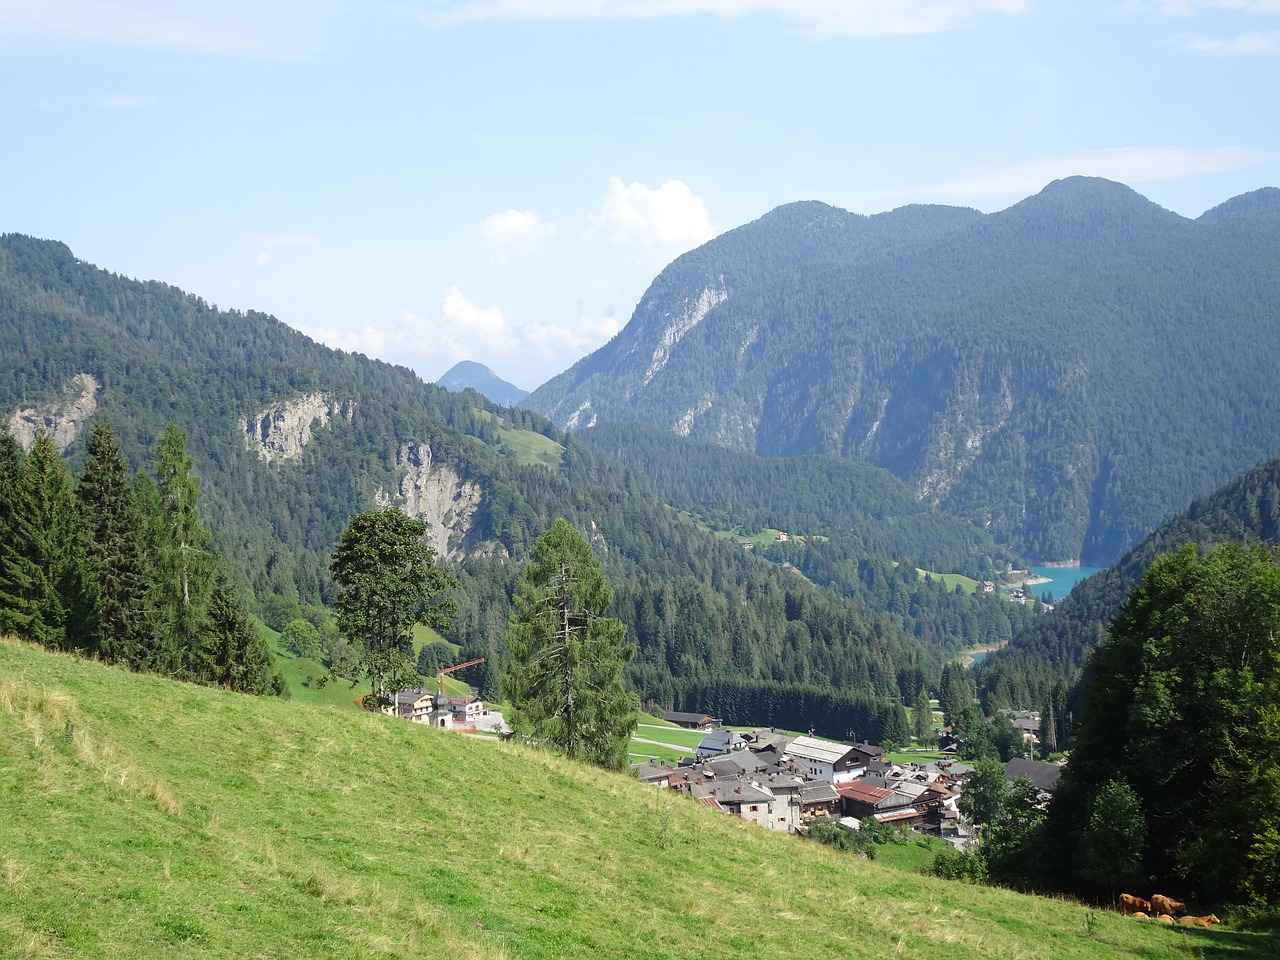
[(1054, 646), (1065, 373), (291, 438), (815, 495)]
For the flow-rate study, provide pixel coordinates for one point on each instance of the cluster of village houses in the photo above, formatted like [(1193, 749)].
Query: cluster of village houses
[(437, 710), (784, 782)]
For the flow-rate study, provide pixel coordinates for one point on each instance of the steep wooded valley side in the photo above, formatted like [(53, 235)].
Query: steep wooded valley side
[(1065, 373)]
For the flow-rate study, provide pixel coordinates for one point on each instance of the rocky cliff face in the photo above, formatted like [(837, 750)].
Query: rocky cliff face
[(64, 418), (437, 494), (282, 430)]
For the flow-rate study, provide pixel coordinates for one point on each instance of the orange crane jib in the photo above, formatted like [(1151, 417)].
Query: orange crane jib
[(443, 670)]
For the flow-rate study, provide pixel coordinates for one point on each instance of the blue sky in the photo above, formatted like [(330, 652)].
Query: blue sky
[(427, 181)]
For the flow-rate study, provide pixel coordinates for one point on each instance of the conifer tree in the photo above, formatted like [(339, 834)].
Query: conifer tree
[(234, 654), (19, 574), (564, 676), (59, 593), (184, 568), (955, 692), (117, 628), (922, 717)]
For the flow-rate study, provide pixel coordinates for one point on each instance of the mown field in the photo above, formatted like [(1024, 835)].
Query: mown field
[(142, 818)]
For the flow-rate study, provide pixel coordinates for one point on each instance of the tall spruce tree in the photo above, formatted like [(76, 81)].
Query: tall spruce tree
[(234, 654), (185, 568), (564, 676), (19, 574), (922, 718), (117, 629), (60, 592), (955, 693)]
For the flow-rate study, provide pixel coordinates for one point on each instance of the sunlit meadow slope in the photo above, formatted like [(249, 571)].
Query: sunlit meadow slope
[(144, 818)]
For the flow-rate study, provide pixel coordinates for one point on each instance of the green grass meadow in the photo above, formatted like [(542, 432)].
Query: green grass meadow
[(142, 818), (527, 446), (951, 580), (301, 674)]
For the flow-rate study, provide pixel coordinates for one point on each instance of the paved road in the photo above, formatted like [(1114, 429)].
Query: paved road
[(493, 722)]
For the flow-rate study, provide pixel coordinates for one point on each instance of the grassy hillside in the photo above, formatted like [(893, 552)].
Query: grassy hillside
[(143, 818)]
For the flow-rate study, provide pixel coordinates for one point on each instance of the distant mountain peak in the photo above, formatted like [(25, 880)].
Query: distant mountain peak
[(1263, 204), (1079, 198), (468, 373)]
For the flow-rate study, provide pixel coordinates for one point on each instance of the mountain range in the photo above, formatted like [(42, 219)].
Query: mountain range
[(749, 575), (1065, 373), (291, 438)]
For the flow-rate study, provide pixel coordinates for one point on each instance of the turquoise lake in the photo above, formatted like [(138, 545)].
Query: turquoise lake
[(1064, 578)]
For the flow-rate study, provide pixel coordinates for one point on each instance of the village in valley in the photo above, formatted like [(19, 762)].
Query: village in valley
[(777, 780), (786, 782)]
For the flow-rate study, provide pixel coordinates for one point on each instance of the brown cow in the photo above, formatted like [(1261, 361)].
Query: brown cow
[(1139, 915), (1165, 918), (1160, 904), (1131, 904), (1205, 921)]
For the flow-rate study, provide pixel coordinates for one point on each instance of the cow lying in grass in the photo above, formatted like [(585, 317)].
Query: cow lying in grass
[(1205, 921)]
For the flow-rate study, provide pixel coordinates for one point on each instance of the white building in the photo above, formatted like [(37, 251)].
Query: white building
[(826, 760)]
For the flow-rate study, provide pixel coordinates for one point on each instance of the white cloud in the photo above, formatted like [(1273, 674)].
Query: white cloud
[(469, 323), (818, 18), (571, 342), (646, 222), (261, 260), (514, 232), (430, 337), (368, 339), (1127, 165), (242, 28), (1244, 44), (123, 101), (1187, 8), (463, 330)]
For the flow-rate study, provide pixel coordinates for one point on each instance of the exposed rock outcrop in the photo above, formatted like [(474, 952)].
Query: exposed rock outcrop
[(282, 430), (437, 494), (694, 312), (64, 418)]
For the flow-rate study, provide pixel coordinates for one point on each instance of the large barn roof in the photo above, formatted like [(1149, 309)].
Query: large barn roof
[(823, 751)]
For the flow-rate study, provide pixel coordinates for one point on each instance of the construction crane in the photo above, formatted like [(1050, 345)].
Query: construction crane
[(440, 672)]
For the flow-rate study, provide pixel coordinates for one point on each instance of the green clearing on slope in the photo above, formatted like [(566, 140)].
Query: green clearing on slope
[(527, 446), (952, 580), (142, 818), (301, 674)]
